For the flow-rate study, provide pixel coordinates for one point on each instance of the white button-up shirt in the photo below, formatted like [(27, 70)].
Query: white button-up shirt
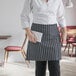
[(50, 12)]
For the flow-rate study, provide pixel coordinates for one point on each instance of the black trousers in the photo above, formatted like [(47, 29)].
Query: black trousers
[(53, 67)]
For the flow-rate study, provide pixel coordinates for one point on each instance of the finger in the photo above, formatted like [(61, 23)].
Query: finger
[(35, 39), (32, 40)]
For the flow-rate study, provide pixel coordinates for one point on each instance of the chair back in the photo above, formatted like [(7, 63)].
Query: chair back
[(24, 42)]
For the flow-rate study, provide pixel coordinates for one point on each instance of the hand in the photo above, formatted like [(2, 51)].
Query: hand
[(31, 36)]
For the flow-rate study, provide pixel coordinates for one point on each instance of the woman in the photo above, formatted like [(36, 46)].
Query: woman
[(46, 15)]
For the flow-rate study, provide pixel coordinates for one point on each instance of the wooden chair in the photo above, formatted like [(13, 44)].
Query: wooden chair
[(71, 31), (70, 40), (15, 49), (73, 47)]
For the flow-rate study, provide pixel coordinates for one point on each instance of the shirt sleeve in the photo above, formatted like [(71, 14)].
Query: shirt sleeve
[(60, 15), (25, 19)]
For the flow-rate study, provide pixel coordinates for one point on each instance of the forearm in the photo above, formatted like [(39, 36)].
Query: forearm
[(63, 33), (25, 14)]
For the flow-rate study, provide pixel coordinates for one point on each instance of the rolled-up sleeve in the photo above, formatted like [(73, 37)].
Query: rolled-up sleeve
[(60, 15), (25, 19)]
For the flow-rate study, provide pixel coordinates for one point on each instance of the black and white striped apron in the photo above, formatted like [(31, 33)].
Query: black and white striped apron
[(50, 46)]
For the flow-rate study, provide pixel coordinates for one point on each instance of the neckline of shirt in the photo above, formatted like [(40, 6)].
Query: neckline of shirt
[(43, 2)]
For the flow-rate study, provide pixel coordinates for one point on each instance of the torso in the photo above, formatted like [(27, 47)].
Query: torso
[(45, 12)]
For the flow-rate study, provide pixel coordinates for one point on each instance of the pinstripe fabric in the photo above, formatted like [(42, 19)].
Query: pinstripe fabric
[(49, 48)]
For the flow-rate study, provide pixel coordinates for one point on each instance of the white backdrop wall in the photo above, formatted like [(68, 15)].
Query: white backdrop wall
[(10, 23), (70, 15), (10, 11)]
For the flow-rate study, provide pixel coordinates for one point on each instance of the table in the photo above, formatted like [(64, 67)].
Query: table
[(4, 37)]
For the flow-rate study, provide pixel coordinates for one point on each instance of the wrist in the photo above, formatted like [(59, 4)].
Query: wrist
[(28, 30)]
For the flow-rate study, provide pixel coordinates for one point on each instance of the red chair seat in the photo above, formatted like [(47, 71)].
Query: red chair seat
[(74, 44), (13, 48), (71, 40)]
